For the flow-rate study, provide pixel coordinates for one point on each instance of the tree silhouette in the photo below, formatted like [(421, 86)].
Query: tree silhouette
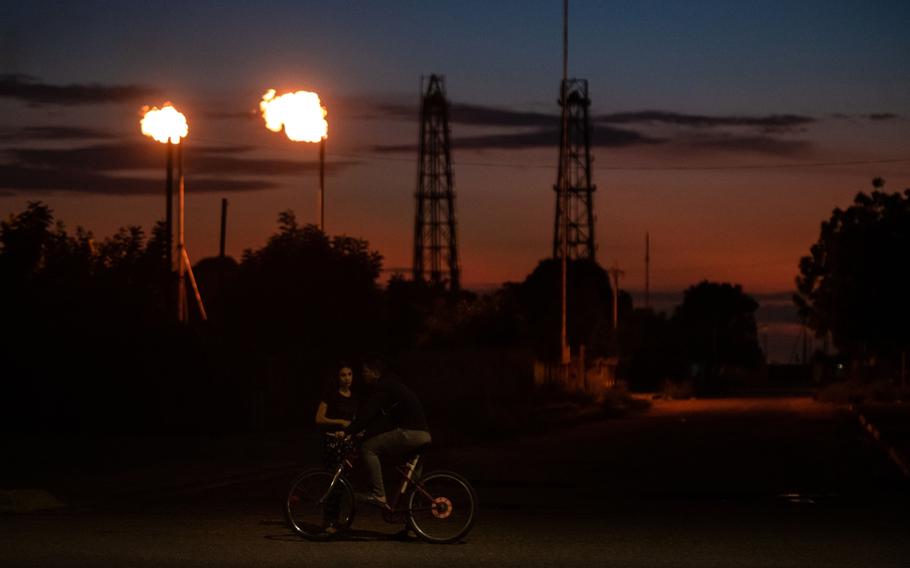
[(73, 306), (716, 322), (854, 283), (308, 290), (23, 238), (652, 349), (589, 302)]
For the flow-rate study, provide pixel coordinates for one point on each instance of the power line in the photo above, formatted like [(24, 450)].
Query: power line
[(790, 165), (758, 166)]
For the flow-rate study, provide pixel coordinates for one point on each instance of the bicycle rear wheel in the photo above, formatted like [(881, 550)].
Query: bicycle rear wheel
[(313, 504), (442, 507)]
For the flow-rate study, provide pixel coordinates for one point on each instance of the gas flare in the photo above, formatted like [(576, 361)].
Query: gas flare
[(301, 114), (164, 123)]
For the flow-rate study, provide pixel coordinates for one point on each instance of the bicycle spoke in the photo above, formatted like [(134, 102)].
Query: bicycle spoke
[(442, 507), (316, 500)]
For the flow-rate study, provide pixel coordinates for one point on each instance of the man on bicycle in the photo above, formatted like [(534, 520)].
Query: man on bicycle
[(394, 422)]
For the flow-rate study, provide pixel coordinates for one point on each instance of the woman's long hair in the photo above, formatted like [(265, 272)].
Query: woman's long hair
[(332, 383)]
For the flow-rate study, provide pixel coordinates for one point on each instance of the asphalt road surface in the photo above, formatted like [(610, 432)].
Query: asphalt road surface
[(732, 482)]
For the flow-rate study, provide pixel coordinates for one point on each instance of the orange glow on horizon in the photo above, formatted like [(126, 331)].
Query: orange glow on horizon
[(301, 114), (163, 124)]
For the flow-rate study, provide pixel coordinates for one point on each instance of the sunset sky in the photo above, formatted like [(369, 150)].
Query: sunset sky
[(727, 130)]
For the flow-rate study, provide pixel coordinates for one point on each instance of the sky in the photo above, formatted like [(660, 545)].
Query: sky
[(727, 131)]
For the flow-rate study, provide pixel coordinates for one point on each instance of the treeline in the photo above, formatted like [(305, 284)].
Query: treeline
[(852, 287), (90, 341)]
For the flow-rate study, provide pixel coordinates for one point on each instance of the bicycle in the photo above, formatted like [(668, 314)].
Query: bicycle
[(440, 507)]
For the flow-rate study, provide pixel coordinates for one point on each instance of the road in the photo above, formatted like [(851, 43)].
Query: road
[(730, 482)]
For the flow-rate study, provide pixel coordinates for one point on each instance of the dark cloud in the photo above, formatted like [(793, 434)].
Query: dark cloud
[(102, 157), (475, 115), (32, 91), (536, 129), (601, 137), (100, 169), (870, 116), (490, 116), (773, 122), (222, 115), (209, 163), (136, 156), (17, 178), (53, 133), (232, 149), (479, 115), (388, 110)]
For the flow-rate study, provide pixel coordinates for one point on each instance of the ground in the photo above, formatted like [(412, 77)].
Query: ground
[(781, 481)]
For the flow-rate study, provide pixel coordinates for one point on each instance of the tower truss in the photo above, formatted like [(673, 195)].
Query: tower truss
[(575, 167), (435, 242)]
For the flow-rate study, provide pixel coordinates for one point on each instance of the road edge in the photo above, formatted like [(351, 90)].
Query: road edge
[(902, 462)]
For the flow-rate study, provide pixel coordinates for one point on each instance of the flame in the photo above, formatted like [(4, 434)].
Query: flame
[(164, 123), (301, 114)]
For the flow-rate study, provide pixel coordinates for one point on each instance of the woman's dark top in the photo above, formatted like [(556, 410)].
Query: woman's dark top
[(339, 406)]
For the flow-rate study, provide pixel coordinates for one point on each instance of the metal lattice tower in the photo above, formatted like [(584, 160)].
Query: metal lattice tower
[(435, 244), (575, 165)]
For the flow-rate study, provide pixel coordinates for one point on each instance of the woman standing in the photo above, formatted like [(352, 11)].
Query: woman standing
[(335, 412), (338, 405)]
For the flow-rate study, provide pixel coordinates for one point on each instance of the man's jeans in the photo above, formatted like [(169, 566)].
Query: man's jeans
[(395, 442)]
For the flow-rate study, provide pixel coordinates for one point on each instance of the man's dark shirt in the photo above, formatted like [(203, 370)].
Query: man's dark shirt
[(390, 405)]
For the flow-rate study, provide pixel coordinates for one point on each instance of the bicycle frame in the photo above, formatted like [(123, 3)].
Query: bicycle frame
[(406, 471), (407, 477)]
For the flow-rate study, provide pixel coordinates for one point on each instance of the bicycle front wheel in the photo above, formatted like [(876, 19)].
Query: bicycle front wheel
[(314, 504), (442, 507)]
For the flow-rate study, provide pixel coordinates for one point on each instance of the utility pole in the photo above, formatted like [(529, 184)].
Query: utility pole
[(184, 266), (562, 219), (573, 227), (224, 204), (169, 207), (167, 125), (616, 274), (647, 270), (322, 184), (182, 315), (805, 335)]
